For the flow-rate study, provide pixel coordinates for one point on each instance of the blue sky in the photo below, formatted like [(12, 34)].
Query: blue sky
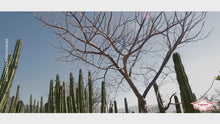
[(37, 65)]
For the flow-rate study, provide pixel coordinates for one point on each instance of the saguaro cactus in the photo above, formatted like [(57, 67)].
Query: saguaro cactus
[(8, 75), (14, 101), (115, 107), (86, 101), (41, 105), (80, 91), (90, 84), (69, 104), (17, 95), (51, 99), (72, 93), (57, 94), (177, 104), (34, 107), (12, 106), (64, 98), (103, 98), (46, 108), (19, 107), (60, 103), (159, 99), (126, 105), (110, 108), (185, 90), (31, 105), (37, 107)]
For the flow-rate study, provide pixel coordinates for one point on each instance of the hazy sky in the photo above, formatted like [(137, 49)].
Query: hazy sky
[(37, 65)]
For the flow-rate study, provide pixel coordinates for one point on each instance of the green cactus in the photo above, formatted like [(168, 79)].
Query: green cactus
[(60, 103), (34, 106), (4, 109), (185, 90), (72, 93), (64, 98), (69, 104), (77, 100), (110, 108), (46, 108), (14, 101), (8, 75), (115, 107), (126, 105), (12, 106), (57, 94), (86, 101), (37, 107), (17, 95), (80, 91), (177, 104), (31, 105), (159, 99), (19, 107), (51, 99), (90, 84), (103, 98), (41, 105)]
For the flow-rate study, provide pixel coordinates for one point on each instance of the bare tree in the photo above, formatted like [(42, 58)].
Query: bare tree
[(123, 41)]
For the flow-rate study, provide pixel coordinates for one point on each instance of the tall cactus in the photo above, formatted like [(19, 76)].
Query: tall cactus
[(72, 93), (46, 108), (80, 91), (69, 104), (37, 107), (185, 90), (14, 101), (41, 105), (64, 98), (177, 104), (19, 107), (31, 105), (57, 94), (110, 108), (12, 106), (34, 106), (60, 103), (103, 98), (17, 95), (86, 101), (115, 107), (8, 75), (159, 99), (126, 105), (77, 100), (90, 84), (51, 99)]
